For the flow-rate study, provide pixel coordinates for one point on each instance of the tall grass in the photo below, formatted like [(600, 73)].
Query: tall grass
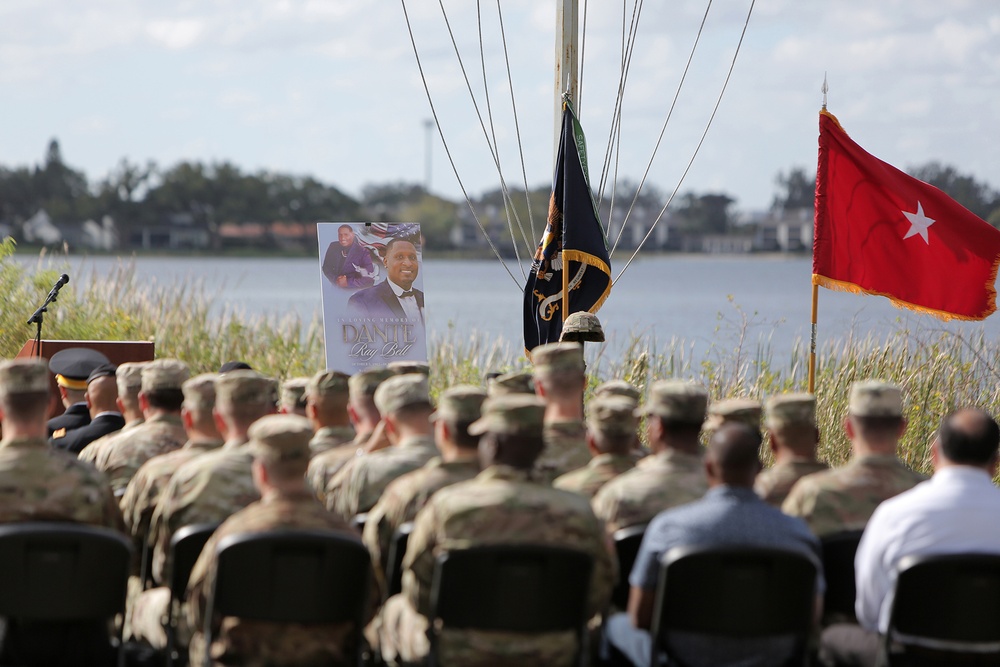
[(938, 372)]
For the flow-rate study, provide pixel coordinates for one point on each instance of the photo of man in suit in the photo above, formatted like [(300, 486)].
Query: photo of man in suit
[(395, 296), (347, 263)]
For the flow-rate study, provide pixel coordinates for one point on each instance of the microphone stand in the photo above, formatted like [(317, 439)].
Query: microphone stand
[(39, 315)]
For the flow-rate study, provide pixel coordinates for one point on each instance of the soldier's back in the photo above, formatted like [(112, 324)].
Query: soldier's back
[(358, 486), (565, 449), (133, 448), (774, 484), (587, 481)]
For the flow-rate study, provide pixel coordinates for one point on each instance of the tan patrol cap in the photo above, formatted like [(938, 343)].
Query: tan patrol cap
[(364, 383), (557, 357), (281, 438), (613, 415), (161, 374), (513, 414), (618, 388), (517, 382), (199, 391), (677, 400), (407, 367), (875, 398), (328, 383), (742, 410), (129, 377), (293, 393), (582, 327), (242, 387), (462, 403), (24, 376), (786, 410), (401, 391)]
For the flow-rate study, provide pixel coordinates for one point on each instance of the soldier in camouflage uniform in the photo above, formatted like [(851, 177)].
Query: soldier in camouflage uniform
[(518, 382), (407, 367), (364, 416), (618, 388), (739, 410), (502, 505), (790, 420), (459, 461), (327, 394), (844, 498), (128, 377), (405, 405), (611, 437), (674, 474), (292, 400), (161, 398), (560, 381), (280, 448)]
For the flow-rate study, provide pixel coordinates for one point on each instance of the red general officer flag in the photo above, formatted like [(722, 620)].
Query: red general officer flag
[(880, 231)]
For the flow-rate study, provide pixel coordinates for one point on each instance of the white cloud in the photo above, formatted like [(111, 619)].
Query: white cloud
[(176, 34)]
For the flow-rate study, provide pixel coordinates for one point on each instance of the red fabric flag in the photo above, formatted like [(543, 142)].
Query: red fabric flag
[(880, 231)]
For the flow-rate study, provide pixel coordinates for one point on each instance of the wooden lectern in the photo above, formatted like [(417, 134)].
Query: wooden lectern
[(117, 352)]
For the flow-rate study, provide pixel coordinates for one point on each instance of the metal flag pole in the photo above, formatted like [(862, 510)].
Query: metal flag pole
[(567, 74), (815, 296)]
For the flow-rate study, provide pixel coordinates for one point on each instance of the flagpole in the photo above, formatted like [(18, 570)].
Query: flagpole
[(567, 73), (812, 341)]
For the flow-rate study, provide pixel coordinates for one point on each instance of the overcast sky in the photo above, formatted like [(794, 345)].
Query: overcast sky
[(331, 87)]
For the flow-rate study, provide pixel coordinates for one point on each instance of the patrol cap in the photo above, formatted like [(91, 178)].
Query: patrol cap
[(512, 414), (790, 410), (875, 398), (129, 377), (613, 415), (161, 374), (242, 386), (618, 388), (743, 410), (557, 357), (280, 438), (364, 383), (24, 376), (407, 367), (293, 392), (582, 327), (462, 403), (401, 391), (234, 366), (328, 383), (199, 391), (677, 400), (102, 371), (73, 366), (518, 382)]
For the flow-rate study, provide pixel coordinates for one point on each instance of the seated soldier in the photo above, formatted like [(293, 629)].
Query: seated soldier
[(560, 381), (611, 438), (790, 420)]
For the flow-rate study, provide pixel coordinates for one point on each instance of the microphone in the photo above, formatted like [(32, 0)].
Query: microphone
[(63, 279), (36, 317)]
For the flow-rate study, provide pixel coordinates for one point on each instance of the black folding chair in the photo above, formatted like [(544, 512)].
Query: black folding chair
[(513, 588), (730, 594), (394, 563), (627, 542), (60, 586), (185, 548), (838, 551), (291, 576), (945, 611)]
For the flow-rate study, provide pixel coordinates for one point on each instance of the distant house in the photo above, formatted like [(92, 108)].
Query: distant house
[(40, 229), (785, 231), (726, 244), (176, 231)]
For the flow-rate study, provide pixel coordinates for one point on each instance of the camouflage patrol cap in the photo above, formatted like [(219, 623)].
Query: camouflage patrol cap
[(161, 374), (328, 383), (293, 393), (790, 410), (462, 403), (875, 398), (742, 410), (677, 400), (199, 391), (129, 377), (582, 327), (612, 415), (280, 438), (24, 376), (364, 383), (245, 387), (557, 357), (518, 382), (407, 367), (618, 388), (401, 391), (513, 414)]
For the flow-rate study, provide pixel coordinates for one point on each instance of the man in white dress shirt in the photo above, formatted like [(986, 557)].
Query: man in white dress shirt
[(953, 512)]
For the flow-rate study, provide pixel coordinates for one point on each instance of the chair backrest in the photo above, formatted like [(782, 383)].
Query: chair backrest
[(734, 592), (950, 598), (62, 571), (838, 551), (185, 548), (627, 542), (394, 564)]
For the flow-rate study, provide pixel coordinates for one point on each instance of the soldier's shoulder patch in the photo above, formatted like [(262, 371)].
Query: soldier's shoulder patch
[(59, 433)]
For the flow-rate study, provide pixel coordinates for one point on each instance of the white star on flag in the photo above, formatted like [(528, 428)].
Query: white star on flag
[(918, 223)]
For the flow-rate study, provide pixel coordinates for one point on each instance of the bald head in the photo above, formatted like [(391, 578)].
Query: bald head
[(968, 436), (732, 455), (102, 395)]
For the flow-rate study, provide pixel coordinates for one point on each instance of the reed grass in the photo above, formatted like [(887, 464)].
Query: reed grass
[(938, 371)]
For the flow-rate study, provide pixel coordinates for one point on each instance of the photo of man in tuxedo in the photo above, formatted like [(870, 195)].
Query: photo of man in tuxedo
[(347, 263), (395, 296)]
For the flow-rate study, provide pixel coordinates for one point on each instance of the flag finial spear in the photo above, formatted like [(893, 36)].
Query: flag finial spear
[(825, 88)]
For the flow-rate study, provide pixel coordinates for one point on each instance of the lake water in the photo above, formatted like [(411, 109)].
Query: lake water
[(709, 302)]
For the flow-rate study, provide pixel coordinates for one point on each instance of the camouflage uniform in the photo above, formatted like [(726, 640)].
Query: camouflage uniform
[(618, 388), (774, 484), (565, 449), (324, 466), (518, 382), (500, 506), (331, 437), (587, 481), (260, 643), (129, 380), (740, 410), (609, 416), (292, 399)]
